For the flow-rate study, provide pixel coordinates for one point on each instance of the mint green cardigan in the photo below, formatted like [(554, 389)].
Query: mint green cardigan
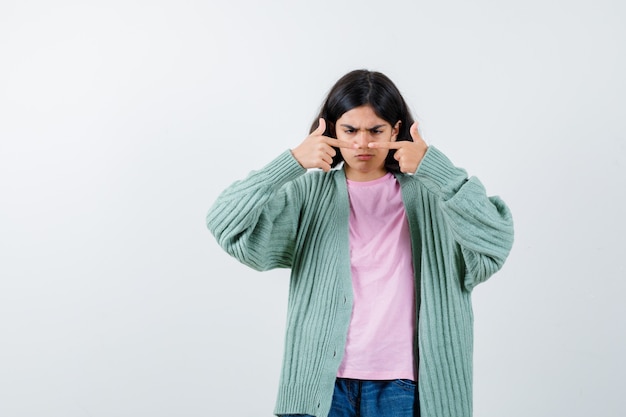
[(285, 217)]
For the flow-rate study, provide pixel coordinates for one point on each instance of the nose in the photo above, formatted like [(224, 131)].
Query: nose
[(362, 139)]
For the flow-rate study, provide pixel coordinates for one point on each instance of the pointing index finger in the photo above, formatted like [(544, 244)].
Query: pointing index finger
[(386, 145), (338, 143)]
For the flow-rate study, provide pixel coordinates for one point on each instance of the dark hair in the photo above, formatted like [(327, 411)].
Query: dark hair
[(362, 87)]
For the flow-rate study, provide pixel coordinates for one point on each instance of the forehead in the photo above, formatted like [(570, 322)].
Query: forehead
[(363, 116)]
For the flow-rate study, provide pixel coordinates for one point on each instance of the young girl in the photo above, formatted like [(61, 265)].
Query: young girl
[(385, 241)]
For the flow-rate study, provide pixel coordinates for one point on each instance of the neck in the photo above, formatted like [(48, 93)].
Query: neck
[(359, 176)]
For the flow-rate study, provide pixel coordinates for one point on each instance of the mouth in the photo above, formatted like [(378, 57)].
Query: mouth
[(364, 156)]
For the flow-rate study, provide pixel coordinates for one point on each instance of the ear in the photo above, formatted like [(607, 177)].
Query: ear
[(395, 130)]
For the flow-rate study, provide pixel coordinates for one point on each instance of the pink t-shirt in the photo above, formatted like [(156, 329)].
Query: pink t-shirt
[(380, 337)]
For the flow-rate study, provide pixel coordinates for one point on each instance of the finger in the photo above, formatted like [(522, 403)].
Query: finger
[(329, 150), (325, 167), (415, 134), (386, 145), (321, 128), (327, 159), (338, 143)]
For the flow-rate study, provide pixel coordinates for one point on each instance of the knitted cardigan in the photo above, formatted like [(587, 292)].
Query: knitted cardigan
[(282, 216)]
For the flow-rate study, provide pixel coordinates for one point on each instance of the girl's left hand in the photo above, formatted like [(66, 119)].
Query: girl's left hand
[(408, 154)]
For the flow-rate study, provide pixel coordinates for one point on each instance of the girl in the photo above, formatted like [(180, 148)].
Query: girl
[(385, 241)]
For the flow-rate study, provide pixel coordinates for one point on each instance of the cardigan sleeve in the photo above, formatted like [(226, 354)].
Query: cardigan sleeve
[(481, 225), (255, 219)]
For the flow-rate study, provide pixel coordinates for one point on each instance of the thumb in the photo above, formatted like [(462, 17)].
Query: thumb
[(321, 128), (415, 134)]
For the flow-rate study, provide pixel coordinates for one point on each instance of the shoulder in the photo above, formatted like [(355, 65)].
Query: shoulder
[(317, 188), (319, 178), (407, 182)]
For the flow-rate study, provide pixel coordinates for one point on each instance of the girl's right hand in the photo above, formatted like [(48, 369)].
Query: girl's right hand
[(317, 150)]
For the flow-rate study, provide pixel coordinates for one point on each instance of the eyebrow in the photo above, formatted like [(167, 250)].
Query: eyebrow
[(367, 128)]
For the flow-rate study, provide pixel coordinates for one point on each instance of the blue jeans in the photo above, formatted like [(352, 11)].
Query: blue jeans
[(356, 398)]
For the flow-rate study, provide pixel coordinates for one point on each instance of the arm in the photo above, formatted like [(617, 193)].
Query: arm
[(482, 226), (255, 219)]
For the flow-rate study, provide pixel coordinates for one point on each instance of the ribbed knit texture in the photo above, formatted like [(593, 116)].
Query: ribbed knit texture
[(283, 217)]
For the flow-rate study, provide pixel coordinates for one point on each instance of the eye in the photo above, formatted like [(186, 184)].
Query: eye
[(349, 130)]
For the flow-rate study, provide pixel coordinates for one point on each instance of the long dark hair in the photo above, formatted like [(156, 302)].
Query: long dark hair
[(362, 87)]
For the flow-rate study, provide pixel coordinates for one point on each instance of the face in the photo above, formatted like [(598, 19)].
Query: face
[(361, 126)]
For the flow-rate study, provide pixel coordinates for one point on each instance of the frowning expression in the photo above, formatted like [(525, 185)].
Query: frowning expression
[(361, 126)]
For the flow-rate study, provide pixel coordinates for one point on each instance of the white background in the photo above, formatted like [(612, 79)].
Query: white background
[(121, 121)]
